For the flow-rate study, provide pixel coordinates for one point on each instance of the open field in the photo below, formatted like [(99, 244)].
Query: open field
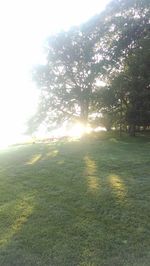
[(77, 203)]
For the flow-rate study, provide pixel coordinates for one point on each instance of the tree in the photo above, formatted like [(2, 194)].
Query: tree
[(130, 90), (138, 69), (66, 81), (125, 47), (106, 48)]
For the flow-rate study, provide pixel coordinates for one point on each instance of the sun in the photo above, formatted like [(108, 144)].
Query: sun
[(78, 130)]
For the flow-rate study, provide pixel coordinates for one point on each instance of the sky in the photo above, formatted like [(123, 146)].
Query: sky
[(24, 25)]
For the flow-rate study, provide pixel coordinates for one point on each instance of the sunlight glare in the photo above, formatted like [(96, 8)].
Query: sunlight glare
[(78, 130), (24, 26)]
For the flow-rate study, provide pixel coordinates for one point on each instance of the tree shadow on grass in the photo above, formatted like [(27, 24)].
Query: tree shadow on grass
[(87, 209)]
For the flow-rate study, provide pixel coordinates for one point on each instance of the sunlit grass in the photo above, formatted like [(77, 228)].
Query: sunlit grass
[(91, 173), (23, 208), (52, 153), (117, 185), (34, 159), (79, 203)]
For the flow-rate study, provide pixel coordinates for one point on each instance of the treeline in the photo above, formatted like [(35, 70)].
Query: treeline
[(99, 73)]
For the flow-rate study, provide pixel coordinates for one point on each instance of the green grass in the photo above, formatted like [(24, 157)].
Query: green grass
[(77, 203)]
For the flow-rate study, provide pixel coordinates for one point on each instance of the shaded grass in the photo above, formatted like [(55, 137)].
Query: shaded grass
[(77, 203)]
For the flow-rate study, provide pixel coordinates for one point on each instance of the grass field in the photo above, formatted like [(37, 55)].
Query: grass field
[(77, 203)]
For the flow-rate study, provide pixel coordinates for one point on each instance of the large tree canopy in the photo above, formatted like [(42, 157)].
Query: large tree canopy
[(112, 47), (67, 80)]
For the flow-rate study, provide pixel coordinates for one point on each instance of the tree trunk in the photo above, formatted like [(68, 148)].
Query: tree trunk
[(132, 130), (120, 127), (84, 112)]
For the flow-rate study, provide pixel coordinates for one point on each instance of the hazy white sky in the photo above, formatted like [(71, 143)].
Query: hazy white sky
[(24, 24)]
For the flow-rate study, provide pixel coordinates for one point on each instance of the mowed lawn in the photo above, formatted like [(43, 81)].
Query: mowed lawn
[(77, 203)]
